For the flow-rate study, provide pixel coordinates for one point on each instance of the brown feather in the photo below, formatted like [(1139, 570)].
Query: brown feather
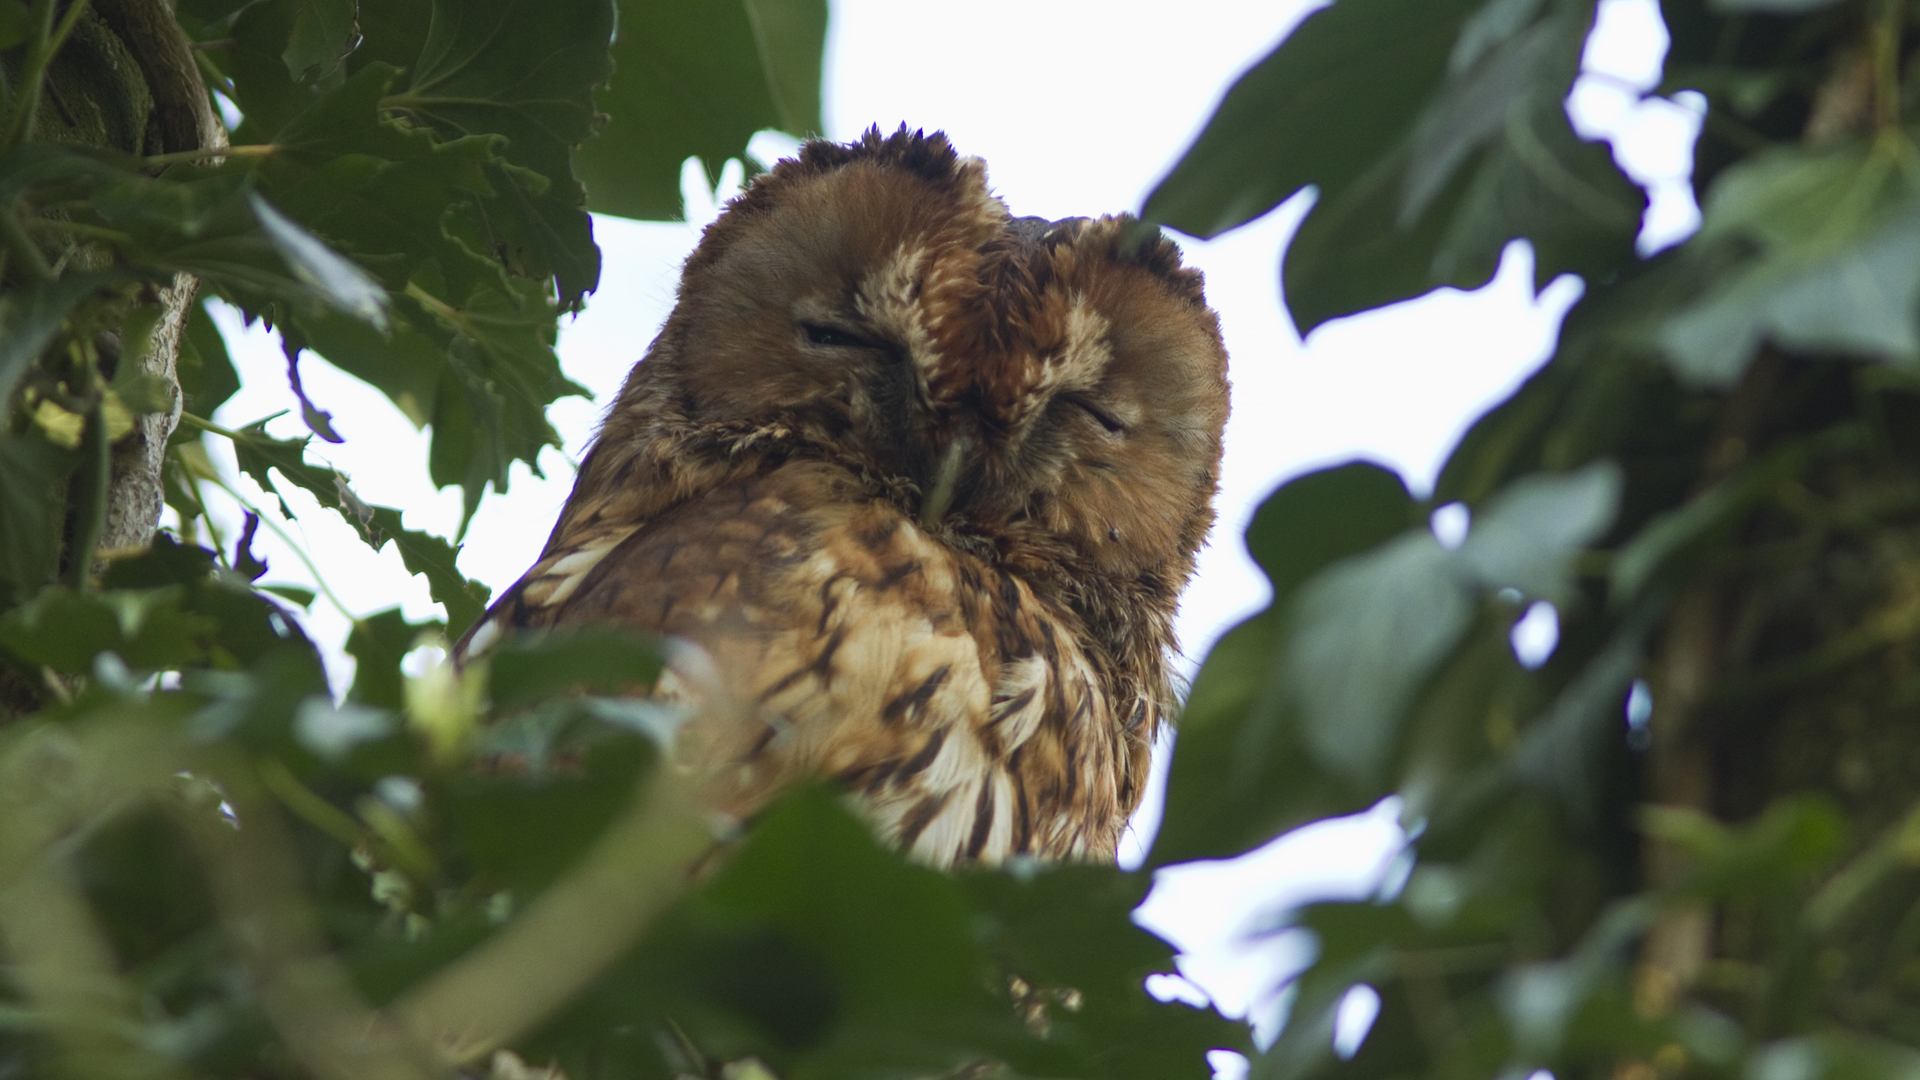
[(984, 675)]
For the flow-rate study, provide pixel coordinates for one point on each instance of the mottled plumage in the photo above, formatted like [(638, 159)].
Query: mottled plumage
[(924, 482)]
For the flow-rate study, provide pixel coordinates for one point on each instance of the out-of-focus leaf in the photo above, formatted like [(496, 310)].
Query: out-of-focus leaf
[(1525, 537), (1796, 836), (1782, 7), (692, 79), (261, 456), (590, 659), (377, 644), (65, 630), (1336, 96), (1435, 135), (1834, 232), (207, 376), (13, 23), (1239, 774), (33, 500), (1365, 635), (1071, 927), (344, 285), (323, 33), (30, 316)]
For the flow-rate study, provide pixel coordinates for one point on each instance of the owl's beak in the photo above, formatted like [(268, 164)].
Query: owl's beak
[(940, 495)]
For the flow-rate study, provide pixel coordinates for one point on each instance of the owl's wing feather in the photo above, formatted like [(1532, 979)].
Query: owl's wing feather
[(849, 644)]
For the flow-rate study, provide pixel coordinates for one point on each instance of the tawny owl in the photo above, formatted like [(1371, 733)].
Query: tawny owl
[(924, 481)]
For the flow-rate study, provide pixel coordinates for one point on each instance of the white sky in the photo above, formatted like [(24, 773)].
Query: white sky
[(1078, 109)]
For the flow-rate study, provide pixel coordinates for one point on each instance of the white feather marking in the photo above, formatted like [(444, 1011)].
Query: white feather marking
[(572, 569), (483, 639)]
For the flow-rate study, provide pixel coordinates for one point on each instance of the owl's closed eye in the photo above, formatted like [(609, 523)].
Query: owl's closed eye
[(924, 481)]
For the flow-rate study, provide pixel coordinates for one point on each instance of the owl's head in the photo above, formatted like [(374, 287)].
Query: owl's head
[(1047, 394)]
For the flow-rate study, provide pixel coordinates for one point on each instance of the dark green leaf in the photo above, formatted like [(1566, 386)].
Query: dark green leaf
[(1335, 97), (262, 457), (1240, 775), (13, 23), (207, 376), (30, 316), (65, 630), (342, 284), (323, 33), (1365, 635), (33, 502), (377, 644), (586, 659), (1527, 535), (1835, 231), (698, 79)]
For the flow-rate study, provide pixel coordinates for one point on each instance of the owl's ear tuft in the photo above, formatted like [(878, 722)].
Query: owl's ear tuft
[(1127, 239)]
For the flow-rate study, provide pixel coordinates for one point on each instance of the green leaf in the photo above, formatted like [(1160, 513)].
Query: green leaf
[(13, 23), (1435, 134), (698, 79), (342, 284), (1833, 234), (33, 501), (206, 372), (377, 644), (1333, 98), (323, 33), (1239, 775), (30, 317), (264, 457), (389, 194), (147, 628), (1526, 537), (1366, 634), (594, 659), (1072, 926)]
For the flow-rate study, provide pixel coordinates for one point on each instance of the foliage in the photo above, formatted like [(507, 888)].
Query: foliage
[(1712, 479), (209, 866)]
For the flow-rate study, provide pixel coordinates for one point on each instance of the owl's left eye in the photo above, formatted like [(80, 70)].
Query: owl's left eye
[(832, 337), (1106, 419)]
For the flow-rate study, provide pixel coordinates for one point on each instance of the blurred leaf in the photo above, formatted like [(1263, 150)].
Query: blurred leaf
[(1435, 134), (521, 833), (323, 33), (377, 644), (207, 376), (30, 316), (1833, 234), (1334, 97), (345, 286), (33, 502), (13, 23), (1366, 634), (1239, 775), (1527, 535), (1060, 927), (696, 79), (65, 630), (595, 659)]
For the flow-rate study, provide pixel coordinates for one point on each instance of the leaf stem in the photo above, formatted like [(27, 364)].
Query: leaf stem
[(90, 517), (41, 50), (1884, 38), (201, 424), (15, 240), (245, 150)]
